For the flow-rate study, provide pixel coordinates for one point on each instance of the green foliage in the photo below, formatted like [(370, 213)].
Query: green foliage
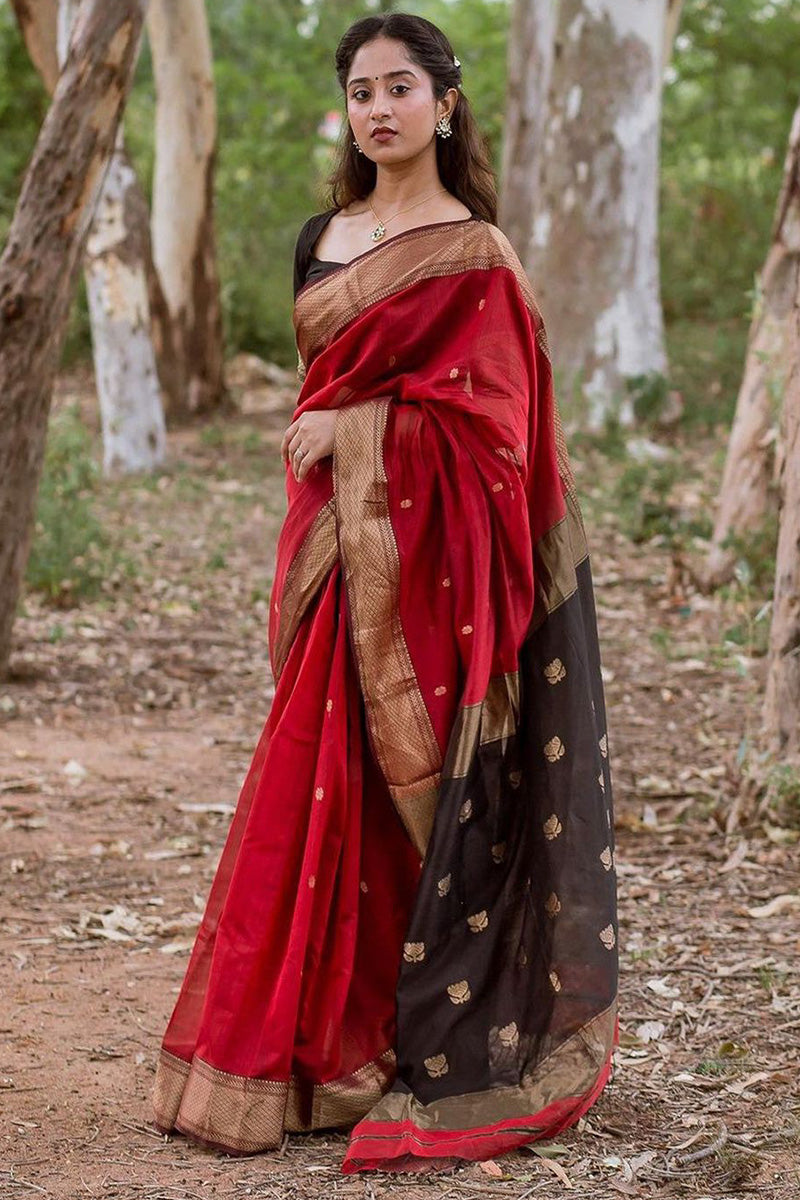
[(728, 103), (70, 553)]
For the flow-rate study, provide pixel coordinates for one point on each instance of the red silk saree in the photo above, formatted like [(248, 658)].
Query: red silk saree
[(412, 931)]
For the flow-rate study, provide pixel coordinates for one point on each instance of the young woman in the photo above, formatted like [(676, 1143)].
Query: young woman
[(412, 929)]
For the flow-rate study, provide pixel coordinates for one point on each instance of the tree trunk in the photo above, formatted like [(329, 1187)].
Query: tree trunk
[(749, 464), (131, 413), (782, 699), (590, 239), (38, 21), (671, 22), (184, 249), (41, 259), (530, 62)]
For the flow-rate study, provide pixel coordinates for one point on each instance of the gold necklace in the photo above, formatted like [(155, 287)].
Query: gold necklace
[(380, 228)]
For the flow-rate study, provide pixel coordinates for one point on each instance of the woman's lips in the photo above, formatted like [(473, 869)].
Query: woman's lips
[(383, 135)]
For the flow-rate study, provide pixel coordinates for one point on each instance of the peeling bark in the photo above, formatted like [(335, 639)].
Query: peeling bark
[(782, 698), (749, 464), (589, 241), (184, 249), (42, 256)]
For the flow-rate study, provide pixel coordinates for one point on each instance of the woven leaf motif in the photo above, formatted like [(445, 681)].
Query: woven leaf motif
[(607, 859), (509, 1034), (436, 1066), (414, 951), (499, 851), (465, 812), (555, 671), (554, 749), (552, 827), (607, 937), (552, 905), (603, 744), (515, 778), (478, 921), (459, 992), (443, 886), (555, 981)]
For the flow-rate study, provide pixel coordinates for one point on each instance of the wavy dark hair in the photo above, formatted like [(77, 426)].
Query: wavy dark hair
[(463, 159)]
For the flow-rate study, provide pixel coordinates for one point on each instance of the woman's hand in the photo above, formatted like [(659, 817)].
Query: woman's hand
[(307, 440)]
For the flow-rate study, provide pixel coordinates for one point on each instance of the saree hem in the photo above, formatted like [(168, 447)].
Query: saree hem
[(243, 1115), (406, 1145)]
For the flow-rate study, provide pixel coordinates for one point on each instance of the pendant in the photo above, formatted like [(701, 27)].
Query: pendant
[(378, 231)]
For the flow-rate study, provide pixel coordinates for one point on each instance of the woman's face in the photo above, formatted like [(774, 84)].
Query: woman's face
[(384, 87)]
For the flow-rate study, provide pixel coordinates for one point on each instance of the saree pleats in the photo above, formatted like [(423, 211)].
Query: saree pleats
[(413, 928)]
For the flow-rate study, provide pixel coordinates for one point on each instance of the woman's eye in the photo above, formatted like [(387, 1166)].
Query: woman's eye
[(363, 92)]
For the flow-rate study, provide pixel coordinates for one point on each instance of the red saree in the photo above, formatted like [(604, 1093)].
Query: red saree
[(412, 928)]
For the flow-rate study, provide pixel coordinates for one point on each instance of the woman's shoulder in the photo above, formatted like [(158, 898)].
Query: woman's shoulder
[(304, 243)]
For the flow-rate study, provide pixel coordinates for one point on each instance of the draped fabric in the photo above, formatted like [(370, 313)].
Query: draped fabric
[(412, 932)]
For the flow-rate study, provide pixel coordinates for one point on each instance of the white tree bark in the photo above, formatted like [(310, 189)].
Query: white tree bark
[(531, 44), (131, 412), (782, 698), (590, 240), (750, 464), (182, 208)]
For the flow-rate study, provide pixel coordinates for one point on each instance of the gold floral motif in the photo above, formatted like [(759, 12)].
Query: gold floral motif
[(499, 851), (481, 303), (601, 781), (329, 706), (466, 629), (414, 952), (555, 981), (552, 905), (555, 671), (440, 691), (465, 812), (312, 879), (436, 1066), (459, 992), (446, 582), (443, 886), (509, 1034), (497, 487), (603, 744), (554, 749), (607, 859), (552, 827), (454, 373), (515, 778), (319, 793), (363, 886), (607, 937), (478, 921), (406, 503)]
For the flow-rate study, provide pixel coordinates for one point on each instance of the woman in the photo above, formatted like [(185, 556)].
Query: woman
[(412, 929)]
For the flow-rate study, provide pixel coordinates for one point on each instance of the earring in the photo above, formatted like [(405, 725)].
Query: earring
[(358, 148), (443, 127)]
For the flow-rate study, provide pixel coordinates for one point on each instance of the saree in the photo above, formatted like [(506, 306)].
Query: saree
[(412, 929)]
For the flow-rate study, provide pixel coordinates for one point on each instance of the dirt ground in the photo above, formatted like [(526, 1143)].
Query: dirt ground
[(125, 732)]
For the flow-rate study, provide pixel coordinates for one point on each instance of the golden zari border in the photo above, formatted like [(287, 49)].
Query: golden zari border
[(569, 1070), (494, 719), (328, 304), (247, 1115), (308, 569), (402, 733)]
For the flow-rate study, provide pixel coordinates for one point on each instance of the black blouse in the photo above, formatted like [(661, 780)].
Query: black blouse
[(306, 265)]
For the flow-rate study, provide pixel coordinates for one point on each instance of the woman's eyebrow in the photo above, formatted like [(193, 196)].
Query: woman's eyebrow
[(388, 75)]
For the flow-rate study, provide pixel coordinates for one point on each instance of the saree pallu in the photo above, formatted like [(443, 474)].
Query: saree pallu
[(412, 931)]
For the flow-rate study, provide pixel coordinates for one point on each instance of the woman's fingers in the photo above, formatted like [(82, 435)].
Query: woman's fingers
[(286, 439)]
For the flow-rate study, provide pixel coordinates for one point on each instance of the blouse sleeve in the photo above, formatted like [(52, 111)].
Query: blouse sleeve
[(302, 248)]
